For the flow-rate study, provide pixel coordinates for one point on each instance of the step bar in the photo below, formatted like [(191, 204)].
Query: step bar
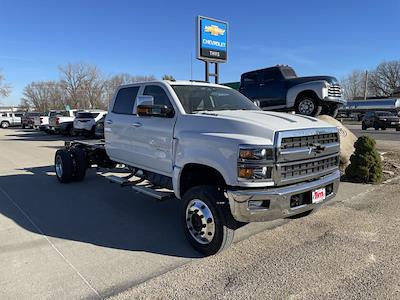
[(142, 186)]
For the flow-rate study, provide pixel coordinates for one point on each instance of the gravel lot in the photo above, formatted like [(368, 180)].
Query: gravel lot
[(96, 240)]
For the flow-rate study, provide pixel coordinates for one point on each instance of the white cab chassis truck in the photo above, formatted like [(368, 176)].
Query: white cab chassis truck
[(228, 161)]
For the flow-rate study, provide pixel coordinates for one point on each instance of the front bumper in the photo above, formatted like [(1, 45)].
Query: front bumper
[(335, 99), (278, 199)]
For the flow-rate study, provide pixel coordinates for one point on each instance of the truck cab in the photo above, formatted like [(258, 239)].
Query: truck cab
[(279, 88)]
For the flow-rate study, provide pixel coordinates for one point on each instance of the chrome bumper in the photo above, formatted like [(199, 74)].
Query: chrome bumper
[(279, 200), (335, 99)]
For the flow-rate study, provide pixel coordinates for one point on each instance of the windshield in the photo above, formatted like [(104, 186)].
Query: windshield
[(196, 98)]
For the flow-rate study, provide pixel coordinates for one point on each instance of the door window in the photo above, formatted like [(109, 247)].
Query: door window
[(125, 100), (159, 95), (18, 115)]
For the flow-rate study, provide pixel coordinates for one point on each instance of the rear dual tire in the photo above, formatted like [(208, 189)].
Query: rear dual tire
[(70, 165)]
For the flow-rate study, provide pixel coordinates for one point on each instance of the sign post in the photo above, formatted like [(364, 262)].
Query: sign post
[(212, 44)]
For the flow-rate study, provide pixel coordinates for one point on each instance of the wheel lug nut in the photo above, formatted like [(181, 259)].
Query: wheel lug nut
[(209, 220), (196, 211), (209, 233), (202, 233), (201, 216), (204, 225), (203, 207)]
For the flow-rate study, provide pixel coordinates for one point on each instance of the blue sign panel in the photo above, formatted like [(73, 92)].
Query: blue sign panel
[(212, 39)]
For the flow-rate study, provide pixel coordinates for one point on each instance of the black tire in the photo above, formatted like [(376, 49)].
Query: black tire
[(363, 126), (308, 106), (397, 128), (334, 112), (71, 131), (5, 124), (222, 221), (63, 159), (376, 126), (383, 128), (79, 156), (23, 126)]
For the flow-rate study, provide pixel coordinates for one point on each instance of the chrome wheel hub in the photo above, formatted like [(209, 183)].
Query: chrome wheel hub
[(306, 106), (200, 221), (59, 166)]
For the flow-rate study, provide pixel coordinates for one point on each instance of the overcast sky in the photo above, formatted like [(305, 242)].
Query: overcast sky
[(158, 37)]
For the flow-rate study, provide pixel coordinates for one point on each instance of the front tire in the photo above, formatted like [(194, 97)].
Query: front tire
[(208, 226), (376, 126), (308, 106), (363, 126)]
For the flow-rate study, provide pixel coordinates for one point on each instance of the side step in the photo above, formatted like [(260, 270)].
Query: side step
[(122, 181), (148, 189), (142, 186)]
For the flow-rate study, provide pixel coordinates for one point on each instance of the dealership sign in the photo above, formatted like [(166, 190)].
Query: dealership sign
[(212, 39)]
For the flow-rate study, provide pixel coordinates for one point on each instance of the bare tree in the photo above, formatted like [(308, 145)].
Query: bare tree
[(354, 85), (111, 84), (43, 96), (82, 84), (385, 78), (5, 88)]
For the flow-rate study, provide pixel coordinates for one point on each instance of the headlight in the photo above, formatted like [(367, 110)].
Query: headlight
[(255, 163), (255, 153)]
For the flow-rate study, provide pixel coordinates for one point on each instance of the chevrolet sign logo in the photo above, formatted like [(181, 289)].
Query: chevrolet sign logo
[(214, 30)]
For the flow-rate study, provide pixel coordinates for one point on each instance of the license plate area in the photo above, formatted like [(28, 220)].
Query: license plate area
[(318, 195)]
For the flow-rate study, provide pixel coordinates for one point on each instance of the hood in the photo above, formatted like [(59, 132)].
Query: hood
[(247, 124), (299, 80)]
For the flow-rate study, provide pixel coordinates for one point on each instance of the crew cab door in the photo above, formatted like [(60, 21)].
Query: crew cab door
[(118, 125), (152, 138), (271, 88)]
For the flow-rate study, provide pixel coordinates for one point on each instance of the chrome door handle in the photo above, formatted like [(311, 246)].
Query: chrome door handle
[(109, 121), (137, 124)]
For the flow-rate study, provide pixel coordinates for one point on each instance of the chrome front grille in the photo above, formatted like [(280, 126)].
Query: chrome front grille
[(305, 141), (335, 91), (295, 171), (306, 154)]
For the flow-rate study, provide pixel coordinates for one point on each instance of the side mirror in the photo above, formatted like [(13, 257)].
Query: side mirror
[(156, 110), (144, 99)]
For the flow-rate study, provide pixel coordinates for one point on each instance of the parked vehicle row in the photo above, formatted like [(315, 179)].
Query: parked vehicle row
[(89, 123)]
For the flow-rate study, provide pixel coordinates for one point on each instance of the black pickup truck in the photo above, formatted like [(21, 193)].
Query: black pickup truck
[(279, 88)]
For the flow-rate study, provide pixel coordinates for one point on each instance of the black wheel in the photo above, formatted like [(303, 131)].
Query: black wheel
[(71, 131), (80, 163), (308, 106), (4, 124), (23, 126), (397, 128), (363, 126), (330, 110), (64, 165), (383, 128), (208, 226), (376, 126)]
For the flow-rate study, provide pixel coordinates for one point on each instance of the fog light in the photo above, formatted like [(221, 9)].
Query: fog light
[(257, 204)]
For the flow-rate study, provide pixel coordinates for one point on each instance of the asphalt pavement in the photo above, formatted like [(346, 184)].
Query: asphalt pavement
[(94, 239)]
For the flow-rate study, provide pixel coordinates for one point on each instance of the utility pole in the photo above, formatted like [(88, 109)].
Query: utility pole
[(366, 85)]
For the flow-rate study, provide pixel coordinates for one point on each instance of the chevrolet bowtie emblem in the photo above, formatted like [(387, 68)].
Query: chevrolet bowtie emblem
[(214, 30), (317, 148)]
